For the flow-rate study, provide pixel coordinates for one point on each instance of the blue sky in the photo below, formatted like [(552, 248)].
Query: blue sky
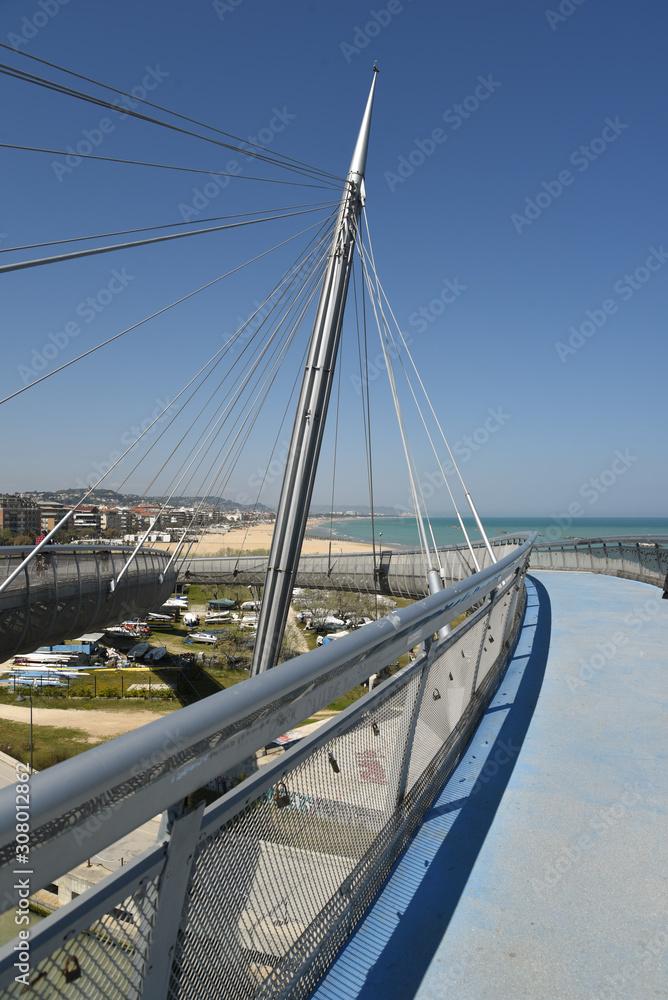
[(516, 168)]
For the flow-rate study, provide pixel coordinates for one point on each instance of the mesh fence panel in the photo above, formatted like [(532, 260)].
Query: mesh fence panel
[(103, 962), (276, 890), (261, 882), (446, 693), (494, 637)]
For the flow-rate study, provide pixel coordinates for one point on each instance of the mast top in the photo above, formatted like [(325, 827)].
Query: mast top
[(358, 162)]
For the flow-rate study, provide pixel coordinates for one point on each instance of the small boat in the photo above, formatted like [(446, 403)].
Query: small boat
[(155, 654), (210, 637), (45, 660), (138, 651), (128, 631), (161, 626)]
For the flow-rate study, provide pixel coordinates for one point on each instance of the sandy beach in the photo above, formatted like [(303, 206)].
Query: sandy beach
[(258, 536)]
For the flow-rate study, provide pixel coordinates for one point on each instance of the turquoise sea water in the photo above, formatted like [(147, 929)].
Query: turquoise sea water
[(402, 530)]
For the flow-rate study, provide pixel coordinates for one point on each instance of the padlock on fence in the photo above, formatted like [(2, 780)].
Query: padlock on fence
[(281, 795)]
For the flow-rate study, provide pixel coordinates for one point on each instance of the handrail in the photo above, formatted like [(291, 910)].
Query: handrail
[(173, 756)]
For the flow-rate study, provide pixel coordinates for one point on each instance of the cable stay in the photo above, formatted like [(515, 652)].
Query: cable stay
[(400, 420), (75, 254), (221, 478), (166, 225), (246, 142), (47, 538), (468, 496), (282, 287), (253, 410), (80, 95), (366, 421), (158, 312), (164, 166)]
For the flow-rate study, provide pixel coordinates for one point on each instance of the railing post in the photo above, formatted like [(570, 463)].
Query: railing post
[(403, 777), (482, 643), (182, 827)]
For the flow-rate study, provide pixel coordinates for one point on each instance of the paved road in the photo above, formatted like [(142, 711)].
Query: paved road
[(7, 770)]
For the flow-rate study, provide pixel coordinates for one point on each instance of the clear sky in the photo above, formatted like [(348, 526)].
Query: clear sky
[(516, 201)]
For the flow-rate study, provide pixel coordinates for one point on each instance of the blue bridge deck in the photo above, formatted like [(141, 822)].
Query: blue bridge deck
[(541, 870)]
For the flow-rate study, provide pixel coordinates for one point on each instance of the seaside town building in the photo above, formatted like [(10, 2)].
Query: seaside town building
[(19, 514)]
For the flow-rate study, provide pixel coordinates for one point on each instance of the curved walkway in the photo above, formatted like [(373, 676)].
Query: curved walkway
[(541, 870)]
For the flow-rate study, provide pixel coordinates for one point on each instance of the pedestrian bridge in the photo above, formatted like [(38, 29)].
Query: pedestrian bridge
[(399, 573), (66, 591), (519, 755)]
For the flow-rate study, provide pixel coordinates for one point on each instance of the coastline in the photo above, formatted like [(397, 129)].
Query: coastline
[(243, 538)]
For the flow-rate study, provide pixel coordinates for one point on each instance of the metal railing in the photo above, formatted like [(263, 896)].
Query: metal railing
[(397, 573), (65, 592), (254, 895), (644, 559)]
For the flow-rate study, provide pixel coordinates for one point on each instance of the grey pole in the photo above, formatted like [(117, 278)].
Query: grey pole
[(311, 412)]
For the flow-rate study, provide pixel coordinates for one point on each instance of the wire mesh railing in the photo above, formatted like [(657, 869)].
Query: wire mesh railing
[(65, 591), (253, 896), (644, 559)]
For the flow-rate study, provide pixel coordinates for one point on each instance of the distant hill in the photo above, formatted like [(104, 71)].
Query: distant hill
[(74, 494)]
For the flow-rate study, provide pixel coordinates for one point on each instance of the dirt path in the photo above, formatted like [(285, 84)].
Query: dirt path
[(102, 724), (303, 644)]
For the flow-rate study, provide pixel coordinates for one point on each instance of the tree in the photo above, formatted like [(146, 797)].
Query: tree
[(316, 605), (292, 643)]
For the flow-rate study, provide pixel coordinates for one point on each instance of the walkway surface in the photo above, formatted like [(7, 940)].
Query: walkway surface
[(541, 870)]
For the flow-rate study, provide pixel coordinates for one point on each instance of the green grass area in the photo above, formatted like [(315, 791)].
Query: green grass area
[(51, 744), (200, 595), (111, 704)]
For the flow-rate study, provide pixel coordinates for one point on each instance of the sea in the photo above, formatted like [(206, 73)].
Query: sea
[(402, 531)]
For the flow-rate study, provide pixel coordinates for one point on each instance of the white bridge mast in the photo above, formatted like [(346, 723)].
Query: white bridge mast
[(297, 488)]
